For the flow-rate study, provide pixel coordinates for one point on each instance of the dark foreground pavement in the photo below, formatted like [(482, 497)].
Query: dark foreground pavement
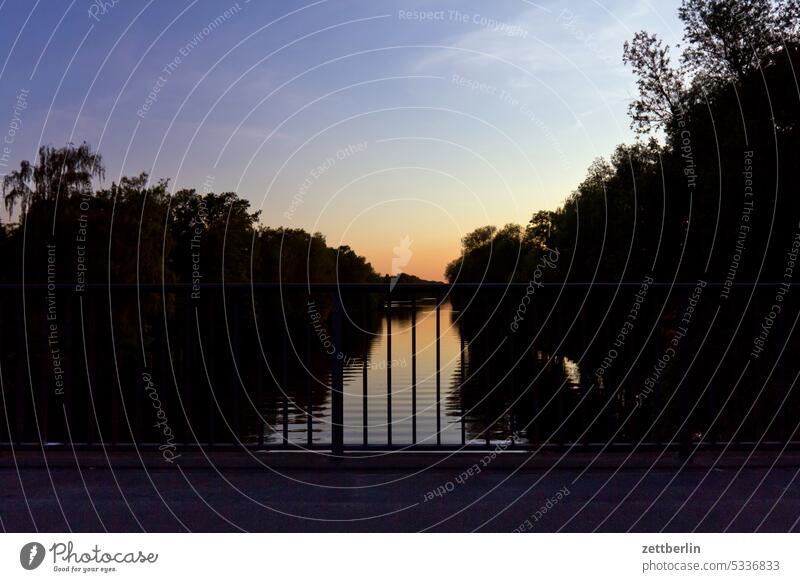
[(402, 492)]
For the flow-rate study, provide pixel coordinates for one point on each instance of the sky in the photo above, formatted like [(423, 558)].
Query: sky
[(383, 125)]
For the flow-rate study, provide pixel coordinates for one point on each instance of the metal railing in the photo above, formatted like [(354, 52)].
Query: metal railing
[(115, 366)]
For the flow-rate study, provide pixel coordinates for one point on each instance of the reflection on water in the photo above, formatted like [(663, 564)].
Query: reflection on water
[(567, 375), (566, 378), (402, 381), (489, 403)]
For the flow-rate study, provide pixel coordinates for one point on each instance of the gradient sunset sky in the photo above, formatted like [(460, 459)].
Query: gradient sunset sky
[(366, 121)]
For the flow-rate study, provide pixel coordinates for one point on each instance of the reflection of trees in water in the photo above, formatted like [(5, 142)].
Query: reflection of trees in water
[(506, 382), (93, 320), (300, 356), (709, 201), (511, 386), (216, 369), (552, 391)]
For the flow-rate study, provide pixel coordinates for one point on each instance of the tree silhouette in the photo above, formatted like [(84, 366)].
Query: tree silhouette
[(66, 171), (661, 88), (727, 39)]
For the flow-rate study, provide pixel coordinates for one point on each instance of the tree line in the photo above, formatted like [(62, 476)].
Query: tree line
[(710, 180), (137, 231), (670, 267)]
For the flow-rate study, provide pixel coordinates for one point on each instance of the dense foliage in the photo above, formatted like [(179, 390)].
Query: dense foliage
[(719, 130), (135, 231)]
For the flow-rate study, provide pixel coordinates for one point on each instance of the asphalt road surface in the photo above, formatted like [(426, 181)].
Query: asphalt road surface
[(410, 493)]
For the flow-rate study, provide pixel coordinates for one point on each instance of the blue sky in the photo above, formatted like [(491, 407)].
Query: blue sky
[(367, 121)]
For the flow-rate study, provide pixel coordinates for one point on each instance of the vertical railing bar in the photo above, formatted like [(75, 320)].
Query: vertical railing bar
[(186, 368), (87, 344), (586, 413), (19, 391), (785, 433), (4, 366), (514, 387), (365, 402), (263, 364), (532, 430), (6, 394), (45, 400), (461, 389), (138, 416), (623, 394), (438, 374), (69, 336), (389, 371), (262, 425), (115, 391), (487, 417), (210, 316), (235, 384), (413, 369), (337, 380), (309, 404), (259, 371), (284, 387), (712, 400), (15, 434), (163, 372)]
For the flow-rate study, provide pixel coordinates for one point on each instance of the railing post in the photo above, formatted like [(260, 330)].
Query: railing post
[(209, 315), (365, 402), (309, 399), (438, 372), (187, 364), (462, 379), (285, 385), (21, 385), (337, 380), (389, 371), (413, 369), (237, 379)]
